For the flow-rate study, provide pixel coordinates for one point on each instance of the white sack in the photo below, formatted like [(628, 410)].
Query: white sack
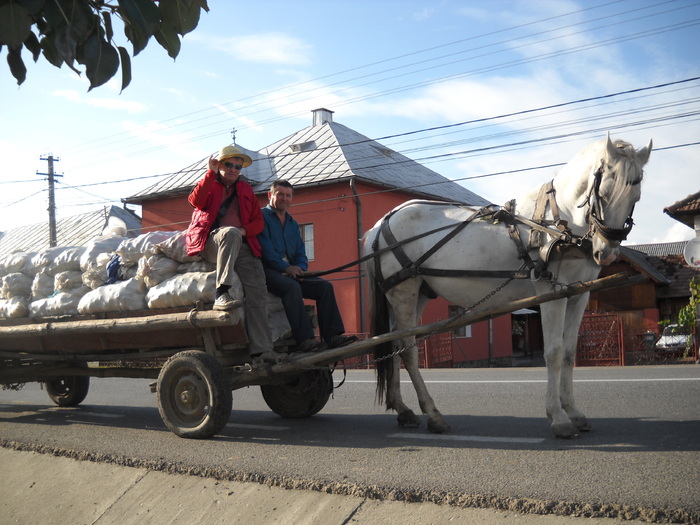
[(66, 261), (186, 289), (15, 262), (15, 307), (95, 275), (131, 250), (176, 249), (196, 266), (98, 247), (16, 284), (42, 285), (47, 256), (277, 319), (118, 297), (63, 303), (155, 269), (68, 280)]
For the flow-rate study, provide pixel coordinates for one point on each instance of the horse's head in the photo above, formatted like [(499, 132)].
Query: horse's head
[(614, 187)]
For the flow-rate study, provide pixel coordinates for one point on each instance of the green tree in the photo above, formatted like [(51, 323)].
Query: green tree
[(70, 31)]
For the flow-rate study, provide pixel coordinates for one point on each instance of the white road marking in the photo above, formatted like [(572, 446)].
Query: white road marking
[(480, 439), (449, 381), (256, 427)]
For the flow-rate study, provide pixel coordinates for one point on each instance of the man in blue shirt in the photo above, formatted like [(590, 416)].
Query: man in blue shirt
[(285, 263)]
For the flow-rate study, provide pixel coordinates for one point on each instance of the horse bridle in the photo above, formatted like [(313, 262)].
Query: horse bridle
[(595, 223)]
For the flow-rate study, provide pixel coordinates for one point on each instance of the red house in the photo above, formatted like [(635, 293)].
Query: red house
[(344, 182)]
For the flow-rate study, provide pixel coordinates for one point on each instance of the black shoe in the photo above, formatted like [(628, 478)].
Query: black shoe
[(340, 340), (310, 345)]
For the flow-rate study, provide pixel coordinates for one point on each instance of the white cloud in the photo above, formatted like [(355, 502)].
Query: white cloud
[(269, 48), (105, 103), (423, 14)]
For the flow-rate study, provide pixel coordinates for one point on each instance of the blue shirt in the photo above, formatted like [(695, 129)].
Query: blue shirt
[(282, 246)]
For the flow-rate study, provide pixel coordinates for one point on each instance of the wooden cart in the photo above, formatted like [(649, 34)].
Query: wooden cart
[(198, 358)]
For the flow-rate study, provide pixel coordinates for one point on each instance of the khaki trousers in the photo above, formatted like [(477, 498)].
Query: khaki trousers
[(226, 248)]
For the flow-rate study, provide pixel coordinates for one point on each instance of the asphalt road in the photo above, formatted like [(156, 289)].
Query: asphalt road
[(642, 459)]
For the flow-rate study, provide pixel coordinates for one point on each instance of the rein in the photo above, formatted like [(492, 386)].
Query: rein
[(595, 223)]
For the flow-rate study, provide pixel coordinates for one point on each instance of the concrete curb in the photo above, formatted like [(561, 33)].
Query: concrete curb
[(42, 488)]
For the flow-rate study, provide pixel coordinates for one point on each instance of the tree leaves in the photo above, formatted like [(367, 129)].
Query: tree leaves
[(82, 31)]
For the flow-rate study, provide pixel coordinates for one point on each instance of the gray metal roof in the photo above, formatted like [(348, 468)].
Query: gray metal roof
[(185, 179), (641, 261), (77, 230), (323, 153), (660, 249)]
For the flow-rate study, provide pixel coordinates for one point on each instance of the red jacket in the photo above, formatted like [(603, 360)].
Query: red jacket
[(206, 198)]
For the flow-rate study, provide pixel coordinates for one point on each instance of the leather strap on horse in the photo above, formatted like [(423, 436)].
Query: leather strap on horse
[(546, 195), (412, 269), (536, 269)]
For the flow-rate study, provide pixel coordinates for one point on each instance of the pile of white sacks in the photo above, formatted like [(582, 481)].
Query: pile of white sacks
[(154, 272)]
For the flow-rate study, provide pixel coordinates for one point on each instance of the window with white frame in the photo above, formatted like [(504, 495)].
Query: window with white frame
[(307, 235), (462, 331)]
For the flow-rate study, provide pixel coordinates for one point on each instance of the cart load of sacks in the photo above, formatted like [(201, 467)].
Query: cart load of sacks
[(114, 273)]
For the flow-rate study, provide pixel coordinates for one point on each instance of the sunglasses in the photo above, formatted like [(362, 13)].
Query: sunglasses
[(232, 165)]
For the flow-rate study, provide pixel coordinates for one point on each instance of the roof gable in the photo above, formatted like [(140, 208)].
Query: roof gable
[(685, 210), (323, 153)]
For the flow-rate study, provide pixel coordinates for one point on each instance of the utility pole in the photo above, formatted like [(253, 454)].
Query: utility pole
[(52, 202)]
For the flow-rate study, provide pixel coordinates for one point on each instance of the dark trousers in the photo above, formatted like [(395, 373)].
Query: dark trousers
[(294, 291)]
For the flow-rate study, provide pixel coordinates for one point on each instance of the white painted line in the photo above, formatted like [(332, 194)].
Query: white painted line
[(256, 427), (497, 381), (480, 439)]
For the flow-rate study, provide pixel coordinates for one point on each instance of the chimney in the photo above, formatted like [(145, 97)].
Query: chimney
[(321, 116)]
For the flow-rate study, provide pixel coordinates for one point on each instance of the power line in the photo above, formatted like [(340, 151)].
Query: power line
[(658, 30)]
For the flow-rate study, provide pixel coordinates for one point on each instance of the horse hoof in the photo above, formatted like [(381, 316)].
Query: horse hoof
[(565, 430), (582, 424), (408, 420), (438, 427)]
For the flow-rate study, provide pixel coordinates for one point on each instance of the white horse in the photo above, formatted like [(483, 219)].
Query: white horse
[(558, 234)]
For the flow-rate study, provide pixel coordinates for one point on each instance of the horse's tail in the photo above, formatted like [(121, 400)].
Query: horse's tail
[(380, 324)]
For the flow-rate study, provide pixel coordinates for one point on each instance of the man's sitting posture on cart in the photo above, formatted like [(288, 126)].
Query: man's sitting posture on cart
[(285, 262), (225, 224)]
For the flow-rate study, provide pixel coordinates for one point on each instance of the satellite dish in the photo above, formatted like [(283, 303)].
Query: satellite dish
[(692, 253)]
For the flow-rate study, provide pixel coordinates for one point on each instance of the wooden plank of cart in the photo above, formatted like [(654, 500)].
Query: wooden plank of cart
[(198, 358)]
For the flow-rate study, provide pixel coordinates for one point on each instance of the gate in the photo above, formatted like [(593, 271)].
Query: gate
[(600, 341)]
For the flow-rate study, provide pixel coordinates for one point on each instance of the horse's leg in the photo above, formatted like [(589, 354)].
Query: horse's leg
[(406, 417), (553, 317), (409, 319), (436, 423), (574, 313), (403, 299)]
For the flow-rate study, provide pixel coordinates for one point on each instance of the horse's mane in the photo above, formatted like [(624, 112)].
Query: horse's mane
[(627, 168)]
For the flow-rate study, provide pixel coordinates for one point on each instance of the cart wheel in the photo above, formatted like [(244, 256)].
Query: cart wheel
[(194, 395), (68, 391), (301, 396)]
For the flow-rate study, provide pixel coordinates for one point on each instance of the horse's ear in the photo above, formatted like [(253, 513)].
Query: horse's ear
[(609, 146), (643, 154)]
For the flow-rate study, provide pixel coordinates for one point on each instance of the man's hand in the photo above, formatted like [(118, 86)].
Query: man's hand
[(294, 271)]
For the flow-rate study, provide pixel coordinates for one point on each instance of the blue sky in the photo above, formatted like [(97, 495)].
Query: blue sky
[(386, 68)]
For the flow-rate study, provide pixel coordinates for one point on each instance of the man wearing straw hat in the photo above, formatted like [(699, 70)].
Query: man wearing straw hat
[(224, 228)]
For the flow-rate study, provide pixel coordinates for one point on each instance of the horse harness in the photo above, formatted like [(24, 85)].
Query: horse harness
[(562, 240)]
